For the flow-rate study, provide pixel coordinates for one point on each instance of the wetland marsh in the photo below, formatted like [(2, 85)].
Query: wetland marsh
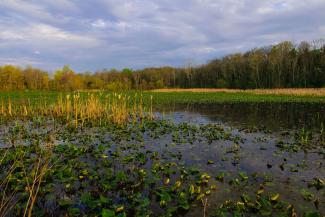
[(127, 154)]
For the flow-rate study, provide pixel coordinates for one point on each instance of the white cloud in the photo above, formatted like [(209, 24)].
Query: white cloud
[(10, 35), (99, 23), (48, 32), (26, 8), (44, 35), (96, 34)]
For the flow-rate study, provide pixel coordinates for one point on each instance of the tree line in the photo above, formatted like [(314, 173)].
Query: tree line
[(284, 65)]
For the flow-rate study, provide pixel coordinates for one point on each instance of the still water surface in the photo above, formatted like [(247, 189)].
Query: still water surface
[(262, 127), (273, 116)]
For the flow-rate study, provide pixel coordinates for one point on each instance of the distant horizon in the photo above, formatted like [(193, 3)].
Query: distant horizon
[(106, 34)]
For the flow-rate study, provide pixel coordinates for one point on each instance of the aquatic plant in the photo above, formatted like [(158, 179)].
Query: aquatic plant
[(79, 109), (103, 154)]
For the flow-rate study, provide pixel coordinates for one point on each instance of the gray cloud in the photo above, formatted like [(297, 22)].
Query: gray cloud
[(96, 34)]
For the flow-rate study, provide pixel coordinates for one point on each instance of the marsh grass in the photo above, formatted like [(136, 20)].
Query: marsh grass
[(142, 100), (73, 109), (117, 171), (78, 109), (276, 91), (7, 198), (31, 175), (41, 166)]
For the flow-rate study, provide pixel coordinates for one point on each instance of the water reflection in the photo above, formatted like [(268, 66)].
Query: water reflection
[(273, 116)]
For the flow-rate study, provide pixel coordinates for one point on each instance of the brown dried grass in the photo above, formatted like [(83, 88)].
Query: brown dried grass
[(280, 91)]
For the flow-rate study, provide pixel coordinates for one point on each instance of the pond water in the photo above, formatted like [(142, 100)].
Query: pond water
[(248, 150), (273, 116), (263, 127)]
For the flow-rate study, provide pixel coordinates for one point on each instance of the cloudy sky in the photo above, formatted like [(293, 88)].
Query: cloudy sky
[(97, 34)]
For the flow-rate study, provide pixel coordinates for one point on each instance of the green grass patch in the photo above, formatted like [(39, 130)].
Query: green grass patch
[(174, 97)]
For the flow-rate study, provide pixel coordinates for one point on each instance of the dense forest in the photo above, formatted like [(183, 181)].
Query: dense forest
[(279, 66)]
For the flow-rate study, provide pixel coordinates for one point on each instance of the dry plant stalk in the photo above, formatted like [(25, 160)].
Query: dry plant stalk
[(41, 167), (205, 206), (7, 199), (278, 91), (116, 108)]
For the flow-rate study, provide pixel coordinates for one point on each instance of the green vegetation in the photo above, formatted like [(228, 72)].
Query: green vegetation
[(167, 98), (160, 98), (223, 97), (114, 171), (104, 154), (284, 65)]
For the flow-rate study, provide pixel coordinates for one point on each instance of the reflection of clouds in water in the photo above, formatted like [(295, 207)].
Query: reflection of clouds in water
[(274, 116)]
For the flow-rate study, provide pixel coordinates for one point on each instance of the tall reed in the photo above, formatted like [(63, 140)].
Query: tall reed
[(79, 109)]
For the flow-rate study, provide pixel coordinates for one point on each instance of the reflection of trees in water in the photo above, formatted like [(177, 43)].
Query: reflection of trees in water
[(270, 115)]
